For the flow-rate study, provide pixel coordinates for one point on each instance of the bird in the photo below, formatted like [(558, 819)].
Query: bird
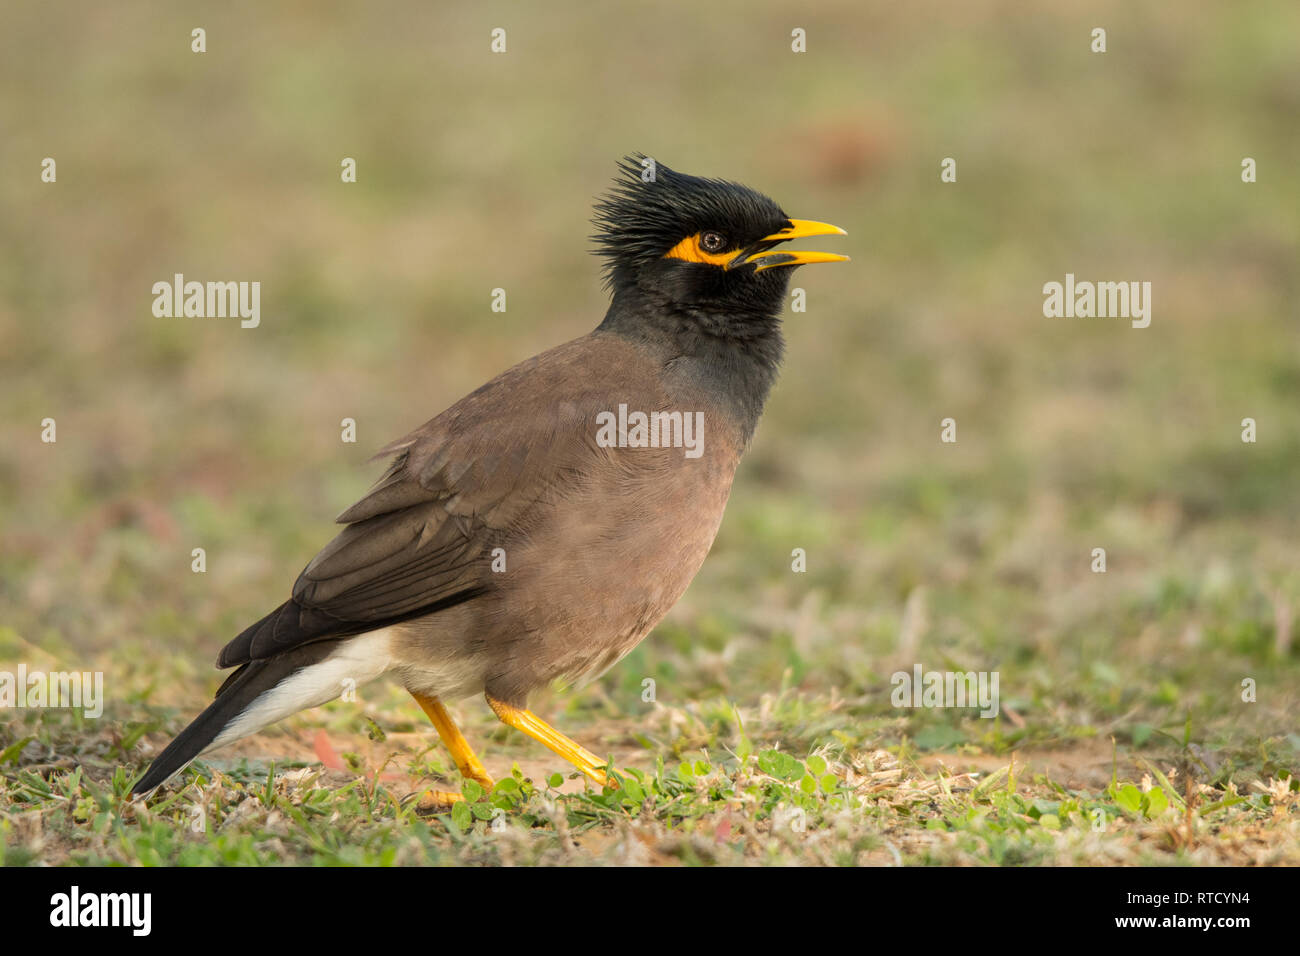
[(539, 528)]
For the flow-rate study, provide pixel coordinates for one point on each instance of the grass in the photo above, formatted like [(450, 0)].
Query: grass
[(706, 793), (1125, 735)]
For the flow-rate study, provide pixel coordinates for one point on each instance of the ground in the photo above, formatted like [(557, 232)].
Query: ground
[(794, 778)]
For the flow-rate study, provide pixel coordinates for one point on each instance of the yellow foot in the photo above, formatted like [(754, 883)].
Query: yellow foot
[(459, 747), (528, 722)]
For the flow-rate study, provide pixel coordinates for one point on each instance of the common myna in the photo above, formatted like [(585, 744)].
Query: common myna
[(541, 526)]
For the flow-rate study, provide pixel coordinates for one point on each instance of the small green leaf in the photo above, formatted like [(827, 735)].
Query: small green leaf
[(472, 790), (808, 784), (554, 781), (10, 754), (1156, 802), (780, 765), (767, 761), (816, 765), (633, 790), (829, 782), (1129, 798), (461, 815)]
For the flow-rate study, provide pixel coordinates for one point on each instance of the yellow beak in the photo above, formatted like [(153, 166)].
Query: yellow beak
[(801, 228), (763, 256)]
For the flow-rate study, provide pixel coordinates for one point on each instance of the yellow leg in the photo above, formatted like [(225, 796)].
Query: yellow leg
[(460, 750), (544, 733)]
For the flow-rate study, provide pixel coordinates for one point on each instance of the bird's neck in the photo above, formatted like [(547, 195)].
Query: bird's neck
[(731, 359)]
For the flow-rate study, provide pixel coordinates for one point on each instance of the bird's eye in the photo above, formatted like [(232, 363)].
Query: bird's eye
[(713, 241)]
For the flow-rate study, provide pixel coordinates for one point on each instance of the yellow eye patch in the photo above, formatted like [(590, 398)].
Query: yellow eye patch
[(689, 250)]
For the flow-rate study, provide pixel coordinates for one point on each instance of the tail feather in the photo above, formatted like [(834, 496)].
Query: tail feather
[(234, 699)]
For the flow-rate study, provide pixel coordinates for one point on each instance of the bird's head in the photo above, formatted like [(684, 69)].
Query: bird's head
[(705, 249)]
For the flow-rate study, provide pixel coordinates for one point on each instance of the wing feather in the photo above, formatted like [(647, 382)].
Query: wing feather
[(421, 538)]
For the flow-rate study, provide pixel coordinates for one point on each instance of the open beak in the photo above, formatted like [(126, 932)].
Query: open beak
[(761, 255)]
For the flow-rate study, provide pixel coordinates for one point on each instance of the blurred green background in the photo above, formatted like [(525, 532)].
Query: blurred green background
[(477, 171)]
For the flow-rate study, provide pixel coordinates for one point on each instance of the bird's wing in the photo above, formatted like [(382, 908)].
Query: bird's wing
[(421, 538)]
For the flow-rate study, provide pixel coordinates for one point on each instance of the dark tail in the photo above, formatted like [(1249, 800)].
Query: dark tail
[(239, 691)]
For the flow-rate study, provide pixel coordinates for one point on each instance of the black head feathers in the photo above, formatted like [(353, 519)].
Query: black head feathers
[(652, 208)]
